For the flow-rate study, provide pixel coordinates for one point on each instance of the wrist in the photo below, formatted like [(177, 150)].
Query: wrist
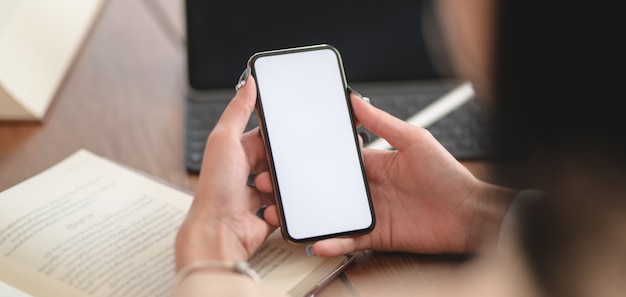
[(491, 205), (235, 267), (212, 241)]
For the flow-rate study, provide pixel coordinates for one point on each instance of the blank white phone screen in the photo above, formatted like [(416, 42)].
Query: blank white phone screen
[(312, 144)]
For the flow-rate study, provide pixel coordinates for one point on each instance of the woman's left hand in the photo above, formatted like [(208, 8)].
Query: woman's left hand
[(221, 223)]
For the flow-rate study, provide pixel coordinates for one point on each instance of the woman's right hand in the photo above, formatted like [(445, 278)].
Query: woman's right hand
[(424, 199)]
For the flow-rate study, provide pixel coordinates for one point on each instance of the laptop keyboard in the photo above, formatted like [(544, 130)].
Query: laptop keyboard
[(201, 117), (464, 132)]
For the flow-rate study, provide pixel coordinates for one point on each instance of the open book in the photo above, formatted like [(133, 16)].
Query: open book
[(38, 42), (91, 227)]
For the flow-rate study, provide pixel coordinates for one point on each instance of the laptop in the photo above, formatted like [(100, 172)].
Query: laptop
[(382, 46)]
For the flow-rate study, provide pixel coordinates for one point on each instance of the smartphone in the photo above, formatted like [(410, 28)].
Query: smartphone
[(313, 151)]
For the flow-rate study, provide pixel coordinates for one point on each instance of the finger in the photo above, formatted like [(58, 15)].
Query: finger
[(255, 150), (237, 113), (364, 137), (381, 123), (271, 215), (334, 247), (353, 96), (263, 182)]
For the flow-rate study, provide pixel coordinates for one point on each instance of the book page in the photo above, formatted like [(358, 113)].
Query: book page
[(94, 226), (7, 11), (8, 291), (90, 227), (38, 42), (296, 267)]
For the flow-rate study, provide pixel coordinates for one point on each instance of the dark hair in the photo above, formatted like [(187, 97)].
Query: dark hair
[(559, 76), (558, 88)]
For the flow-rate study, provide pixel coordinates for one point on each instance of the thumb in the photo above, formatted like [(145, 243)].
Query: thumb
[(335, 246), (396, 131), (324, 248)]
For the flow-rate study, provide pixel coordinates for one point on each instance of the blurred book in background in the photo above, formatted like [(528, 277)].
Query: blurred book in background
[(38, 42)]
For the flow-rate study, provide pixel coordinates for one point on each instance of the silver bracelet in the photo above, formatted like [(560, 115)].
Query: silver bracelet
[(241, 267)]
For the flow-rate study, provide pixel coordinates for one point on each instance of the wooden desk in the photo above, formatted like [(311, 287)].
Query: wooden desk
[(124, 99)]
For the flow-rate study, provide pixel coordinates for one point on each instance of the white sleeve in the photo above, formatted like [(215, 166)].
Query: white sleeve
[(509, 228), (200, 284)]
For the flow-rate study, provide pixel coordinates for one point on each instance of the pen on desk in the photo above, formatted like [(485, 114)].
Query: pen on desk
[(434, 111)]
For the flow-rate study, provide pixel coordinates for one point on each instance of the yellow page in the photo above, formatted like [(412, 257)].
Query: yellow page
[(8, 291), (90, 227), (285, 266), (38, 42), (93, 226)]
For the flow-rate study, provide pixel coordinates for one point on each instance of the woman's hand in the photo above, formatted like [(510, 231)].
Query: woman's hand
[(221, 223), (425, 200)]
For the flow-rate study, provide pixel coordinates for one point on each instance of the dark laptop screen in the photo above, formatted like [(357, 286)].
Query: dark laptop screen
[(378, 40)]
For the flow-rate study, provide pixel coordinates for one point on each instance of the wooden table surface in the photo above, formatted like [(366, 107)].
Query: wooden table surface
[(123, 99)]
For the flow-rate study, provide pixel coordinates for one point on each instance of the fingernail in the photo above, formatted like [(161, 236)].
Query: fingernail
[(242, 79), (309, 250), (250, 182), (366, 99), (365, 136), (260, 213)]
